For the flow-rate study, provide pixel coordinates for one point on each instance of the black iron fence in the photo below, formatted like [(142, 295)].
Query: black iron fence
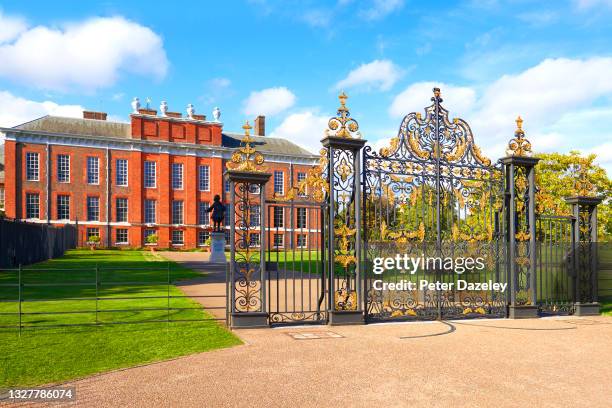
[(295, 262), (43, 298), (555, 269), (24, 243)]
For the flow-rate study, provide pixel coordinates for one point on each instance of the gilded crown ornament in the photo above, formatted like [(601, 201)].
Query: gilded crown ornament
[(343, 125), (519, 146), (583, 186), (246, 158)]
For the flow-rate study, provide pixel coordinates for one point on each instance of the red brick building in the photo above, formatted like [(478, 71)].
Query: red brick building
[(124, 181)]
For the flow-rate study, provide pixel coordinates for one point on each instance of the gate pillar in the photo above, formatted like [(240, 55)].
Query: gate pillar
[(520, 225), (343, 219), (585, 260), (247, 291)]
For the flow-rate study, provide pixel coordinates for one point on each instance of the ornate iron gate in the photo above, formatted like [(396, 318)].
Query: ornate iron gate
[(295, 261), (432, 195), (556, 270), (425, 228)]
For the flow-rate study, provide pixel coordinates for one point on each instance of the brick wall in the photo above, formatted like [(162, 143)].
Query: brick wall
[(143, 127), (78, 189)]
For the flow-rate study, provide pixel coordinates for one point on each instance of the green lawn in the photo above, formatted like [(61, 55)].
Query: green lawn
[(606, 306), (42, 355)]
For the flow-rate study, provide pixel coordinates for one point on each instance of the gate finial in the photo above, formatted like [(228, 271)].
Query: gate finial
[(246, 158), (343, 125), (436, 97), (582, 185), (519, 146)]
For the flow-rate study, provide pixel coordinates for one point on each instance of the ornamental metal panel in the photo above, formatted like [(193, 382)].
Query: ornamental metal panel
[(432, 195)]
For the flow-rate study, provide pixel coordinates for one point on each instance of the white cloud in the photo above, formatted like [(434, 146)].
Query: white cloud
[(379, 74), (380, 9), (10, 27), (562, 101), (216, 89), (16, 110), (415, 97), (304, 128), (220, 83), (543, 95), (117, 96), (86, 55), (269, 102), (317, 18), (589, 4)]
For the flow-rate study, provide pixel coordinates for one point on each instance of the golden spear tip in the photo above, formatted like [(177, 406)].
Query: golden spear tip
[(246, 127), (519, 123)]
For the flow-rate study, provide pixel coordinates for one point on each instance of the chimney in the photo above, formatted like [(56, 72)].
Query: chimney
[(94, 115), (260, 125)]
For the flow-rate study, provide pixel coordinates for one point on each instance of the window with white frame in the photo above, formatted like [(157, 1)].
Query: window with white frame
[(150, 174), (32, 166), (255, 216), (121, 236), (279, 182), (279, 240), (121, 209), (93, 208), (177, 212), (93, 170), (150, 207), (63, 207), (254, 240), (204, 178), (121, 172), (93, 232), (301, 217), (147, 233), (177, 237), (203, 237), (32, 205), (301, 240), (63, 168), (301, 177), (177, 176), (278, 220), (204, 216)]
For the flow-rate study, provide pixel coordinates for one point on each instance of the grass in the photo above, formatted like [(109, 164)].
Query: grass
[(606, 306), (45, 355)]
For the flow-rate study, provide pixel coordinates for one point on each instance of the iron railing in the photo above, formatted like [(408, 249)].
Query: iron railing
[(15, 288)]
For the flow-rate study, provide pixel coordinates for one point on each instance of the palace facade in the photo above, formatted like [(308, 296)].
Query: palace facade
[(157, 175)]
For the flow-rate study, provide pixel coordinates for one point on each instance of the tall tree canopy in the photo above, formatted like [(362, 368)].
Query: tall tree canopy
[(562, 175)]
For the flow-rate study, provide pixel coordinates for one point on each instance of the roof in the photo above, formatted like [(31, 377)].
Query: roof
[(103, 128), (265, 144), (77, 126)]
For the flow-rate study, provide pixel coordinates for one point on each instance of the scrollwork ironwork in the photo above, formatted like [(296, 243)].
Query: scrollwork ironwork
[(431, 192), (247, 265)]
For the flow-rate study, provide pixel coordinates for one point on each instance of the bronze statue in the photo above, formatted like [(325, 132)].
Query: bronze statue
[(218, 213)]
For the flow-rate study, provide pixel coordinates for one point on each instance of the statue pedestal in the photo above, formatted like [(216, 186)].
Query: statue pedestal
[(217, 248)]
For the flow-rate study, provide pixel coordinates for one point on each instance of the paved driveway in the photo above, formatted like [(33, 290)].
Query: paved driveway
[(495, 363)]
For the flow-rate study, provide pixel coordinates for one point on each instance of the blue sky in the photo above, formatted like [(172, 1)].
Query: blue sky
[(549, 61)]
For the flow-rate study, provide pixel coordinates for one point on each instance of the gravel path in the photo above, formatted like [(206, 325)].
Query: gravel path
[(552, 362)]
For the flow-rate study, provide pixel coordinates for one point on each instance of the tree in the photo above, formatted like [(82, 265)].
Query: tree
[(563, 175)]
